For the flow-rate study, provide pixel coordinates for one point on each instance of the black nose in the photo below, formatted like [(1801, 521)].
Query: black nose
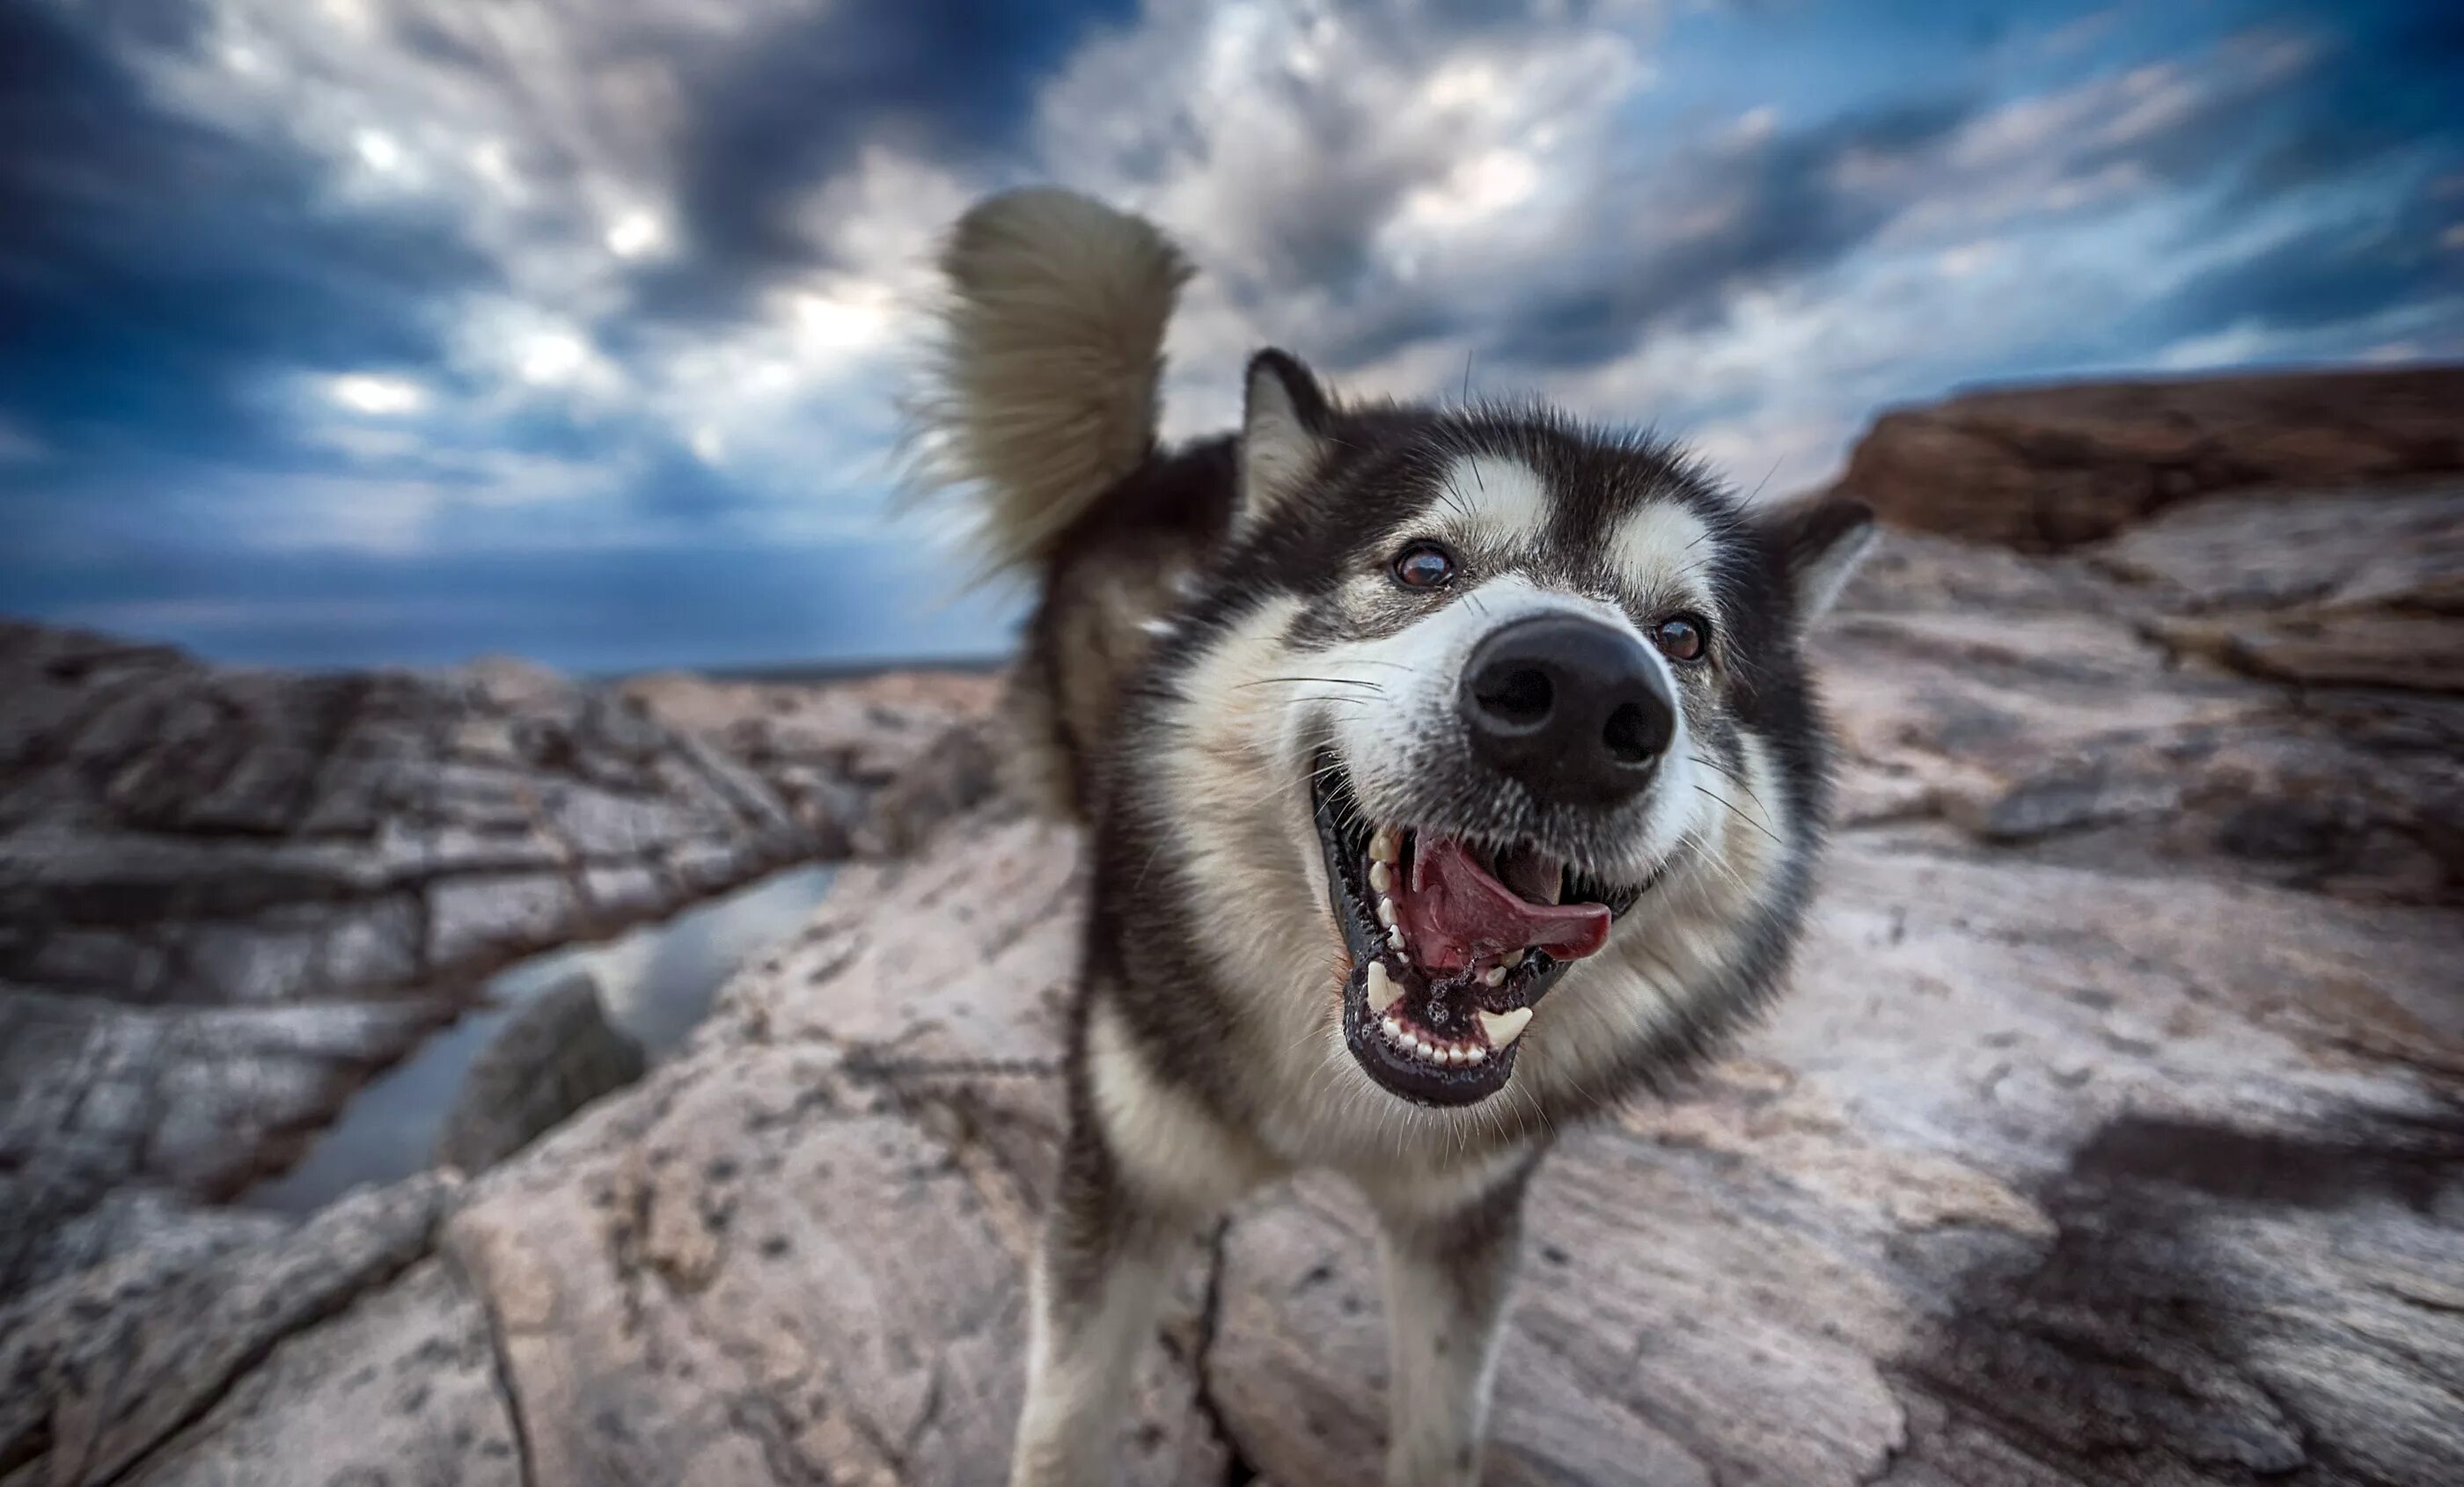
[(1573, 709)]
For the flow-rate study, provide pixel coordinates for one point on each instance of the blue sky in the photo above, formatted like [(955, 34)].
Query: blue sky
[(353, 330)]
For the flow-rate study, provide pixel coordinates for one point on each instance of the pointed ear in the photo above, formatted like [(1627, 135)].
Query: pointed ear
[(1816, 544), (1283, 432)]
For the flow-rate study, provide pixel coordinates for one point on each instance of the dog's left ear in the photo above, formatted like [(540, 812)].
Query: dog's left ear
[(1816, 544), (1283, 434)]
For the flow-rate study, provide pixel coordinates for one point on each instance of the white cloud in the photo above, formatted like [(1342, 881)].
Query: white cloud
[(366, 392), (1364, 184), (378, 150), (636, 235)]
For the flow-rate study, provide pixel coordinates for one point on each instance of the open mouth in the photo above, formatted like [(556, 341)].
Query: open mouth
[(1453, 943)]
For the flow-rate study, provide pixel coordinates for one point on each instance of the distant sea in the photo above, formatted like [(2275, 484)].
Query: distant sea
[(739, 608)]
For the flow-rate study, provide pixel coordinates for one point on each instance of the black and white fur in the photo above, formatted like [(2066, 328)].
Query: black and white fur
[(1220, 629)]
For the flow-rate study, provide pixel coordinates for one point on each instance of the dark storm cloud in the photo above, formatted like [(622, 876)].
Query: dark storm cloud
[(1784, 207), (784, 108), (154, 273)]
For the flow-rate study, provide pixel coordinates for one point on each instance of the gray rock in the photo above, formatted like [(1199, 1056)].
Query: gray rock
[(227, 897), (2138, 708), (138, 1217), (796, 1252), (402, 1387), (553, 1056), (102, 1367)]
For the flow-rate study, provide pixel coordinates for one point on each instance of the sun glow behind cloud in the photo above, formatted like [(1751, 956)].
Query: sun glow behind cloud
[(367, 393)]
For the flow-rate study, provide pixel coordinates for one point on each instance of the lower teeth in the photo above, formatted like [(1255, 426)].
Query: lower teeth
[(1442, 1055)]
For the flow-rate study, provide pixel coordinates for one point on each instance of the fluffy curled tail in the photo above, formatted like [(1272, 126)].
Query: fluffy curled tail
[(1042, 390)]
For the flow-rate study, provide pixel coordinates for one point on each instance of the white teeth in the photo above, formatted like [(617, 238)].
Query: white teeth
[(1394, 939), (1385, 845), (1443, 1056), (1510, 959), (1381, 877), (1382, 990), (1505, 1027), (1386, 912), (1494, 976)]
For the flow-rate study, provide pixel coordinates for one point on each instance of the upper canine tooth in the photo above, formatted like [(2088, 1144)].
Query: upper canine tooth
[(1385, 845), (1382, 990), (1381, 877), (1505, 1027)]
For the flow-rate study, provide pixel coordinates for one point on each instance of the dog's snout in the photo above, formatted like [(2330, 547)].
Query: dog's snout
[(1575, 710)]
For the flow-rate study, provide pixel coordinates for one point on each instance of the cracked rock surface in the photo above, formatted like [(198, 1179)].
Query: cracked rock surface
[(228, 896), (2114, 1134)]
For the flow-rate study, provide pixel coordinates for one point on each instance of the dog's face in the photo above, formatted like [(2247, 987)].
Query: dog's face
[(1514, 681)]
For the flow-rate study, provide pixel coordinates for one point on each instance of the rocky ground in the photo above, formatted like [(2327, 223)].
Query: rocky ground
[(228, 896), (2115, 1133)]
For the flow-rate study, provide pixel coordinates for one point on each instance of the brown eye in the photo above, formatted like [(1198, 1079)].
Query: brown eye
[(1424, 565), (1683, 637)]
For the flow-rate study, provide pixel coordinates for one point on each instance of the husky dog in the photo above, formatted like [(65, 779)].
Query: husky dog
[(1451, 774)]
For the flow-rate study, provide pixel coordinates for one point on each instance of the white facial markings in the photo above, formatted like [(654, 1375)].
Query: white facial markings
[(1233, 775), (1255, 717), (1664, 550), (1664, 955), (1492, 501), (1417, 673), (1757, 835)]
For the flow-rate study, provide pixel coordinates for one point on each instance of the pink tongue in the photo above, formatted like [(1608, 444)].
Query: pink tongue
[(1455, 913)]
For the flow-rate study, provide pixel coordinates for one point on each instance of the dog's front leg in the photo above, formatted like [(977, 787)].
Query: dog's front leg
[(1449, 1267), (1099, 1278), (1143, 1165)]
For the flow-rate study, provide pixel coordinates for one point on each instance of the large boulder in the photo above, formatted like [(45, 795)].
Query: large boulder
[(556, 1053), (2048, 469)]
